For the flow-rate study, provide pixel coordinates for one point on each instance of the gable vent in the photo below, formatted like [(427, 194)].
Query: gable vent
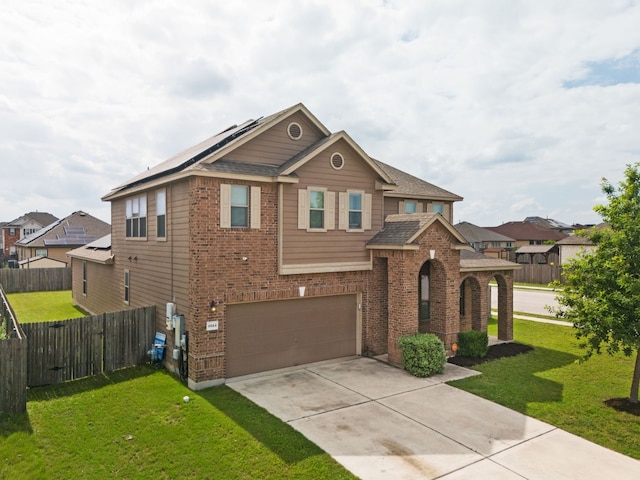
[(295, 131), (337, 161)]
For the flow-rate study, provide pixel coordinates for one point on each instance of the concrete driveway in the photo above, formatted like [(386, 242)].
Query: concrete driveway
[(380, 422)]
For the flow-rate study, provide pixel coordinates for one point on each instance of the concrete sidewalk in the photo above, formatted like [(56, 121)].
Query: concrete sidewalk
[(380, 422)]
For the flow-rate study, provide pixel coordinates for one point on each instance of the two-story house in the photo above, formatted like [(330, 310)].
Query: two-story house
[(22, 227), (57, 238), (277, 242), (486, 241)]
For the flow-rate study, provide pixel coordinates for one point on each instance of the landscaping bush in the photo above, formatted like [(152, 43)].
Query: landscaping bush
[(423, 354), (473, 344)]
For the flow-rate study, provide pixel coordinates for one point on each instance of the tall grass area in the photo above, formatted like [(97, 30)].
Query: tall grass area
[(134, 423), (43, 306), (551, 385)]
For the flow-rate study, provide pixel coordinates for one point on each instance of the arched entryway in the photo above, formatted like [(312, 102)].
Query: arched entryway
[(471, 317), (432, 298)]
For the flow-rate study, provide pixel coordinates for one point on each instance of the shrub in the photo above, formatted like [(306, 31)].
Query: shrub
[(473, 344), (423, 354)]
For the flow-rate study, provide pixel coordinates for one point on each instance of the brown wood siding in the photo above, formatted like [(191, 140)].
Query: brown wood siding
[(268, 335), (158, 268), (274, 145), (102, 288), (333, 246)]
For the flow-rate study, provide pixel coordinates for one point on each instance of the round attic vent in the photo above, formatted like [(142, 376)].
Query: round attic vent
[(337, 160), (294, 130)]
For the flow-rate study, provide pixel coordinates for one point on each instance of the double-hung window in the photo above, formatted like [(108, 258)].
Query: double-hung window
[(127, 287), (316, 209), (355, 211), (84, 278), (239, 206), (161, 214), (136, 217)]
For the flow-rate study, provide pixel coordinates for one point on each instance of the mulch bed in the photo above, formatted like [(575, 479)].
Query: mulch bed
[(624, 405), (501, 350)]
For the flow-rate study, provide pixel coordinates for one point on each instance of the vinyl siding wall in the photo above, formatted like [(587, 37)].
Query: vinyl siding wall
[(102, 288), (274, 146), (301, 247), (158, 268)]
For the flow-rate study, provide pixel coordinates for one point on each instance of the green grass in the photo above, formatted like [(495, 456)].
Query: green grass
[(551, 385), (44, 306), (134, 424)]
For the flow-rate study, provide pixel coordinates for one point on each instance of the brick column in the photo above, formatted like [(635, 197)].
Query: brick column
[(402, 303)]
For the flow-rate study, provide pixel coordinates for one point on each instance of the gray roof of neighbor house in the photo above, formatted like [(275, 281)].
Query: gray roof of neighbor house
[(79, 228), (473, 233), (527, 231), (408, 185), (549, 223), (474, 261), (41, 218)]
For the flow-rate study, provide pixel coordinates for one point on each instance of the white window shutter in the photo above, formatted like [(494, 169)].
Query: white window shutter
[(343, 211), (303, 209), (366, 211), (330, 211), (419, 207), (255, 207), (225, 206)]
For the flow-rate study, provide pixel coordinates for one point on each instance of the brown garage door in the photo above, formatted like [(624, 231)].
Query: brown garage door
[(268, 335)]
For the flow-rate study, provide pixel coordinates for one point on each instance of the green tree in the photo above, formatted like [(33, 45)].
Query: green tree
[(601, 295)]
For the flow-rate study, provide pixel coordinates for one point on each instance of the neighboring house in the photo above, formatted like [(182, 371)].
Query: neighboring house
[(22, 227), (276, 243), (486, 241), (527, 233), (56, 239), (574, 244), (551, 224)]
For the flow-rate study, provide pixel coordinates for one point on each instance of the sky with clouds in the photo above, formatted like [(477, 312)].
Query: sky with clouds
[(520, 107)]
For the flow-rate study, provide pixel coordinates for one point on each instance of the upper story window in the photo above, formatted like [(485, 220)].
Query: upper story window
[(12, 231), (316, 209), (28, 231), (136, 217), (410, 207), (438, 208), (239, 206), (509, 244), (41, 252), (355, 211), (161, 214)]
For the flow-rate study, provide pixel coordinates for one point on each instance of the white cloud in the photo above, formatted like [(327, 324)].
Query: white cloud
[(471, 96)]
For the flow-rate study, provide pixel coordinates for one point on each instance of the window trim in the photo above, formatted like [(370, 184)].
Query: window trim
[(162, 193), (246, 207), (139, 201), (84, 278), (127, 287), (254, 207)]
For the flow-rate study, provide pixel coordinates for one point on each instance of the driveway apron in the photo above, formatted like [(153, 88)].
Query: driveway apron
[(381, 422)]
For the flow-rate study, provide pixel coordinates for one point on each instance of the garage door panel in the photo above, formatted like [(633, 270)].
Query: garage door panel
[(268, 335)]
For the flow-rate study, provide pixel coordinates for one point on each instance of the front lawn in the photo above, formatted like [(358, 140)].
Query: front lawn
[(550, 385), (43, 306), (134, 423)]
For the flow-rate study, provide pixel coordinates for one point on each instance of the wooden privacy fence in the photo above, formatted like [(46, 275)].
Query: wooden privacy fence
[(71, 349), (537, 273), (15, 280), (13, 361)]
